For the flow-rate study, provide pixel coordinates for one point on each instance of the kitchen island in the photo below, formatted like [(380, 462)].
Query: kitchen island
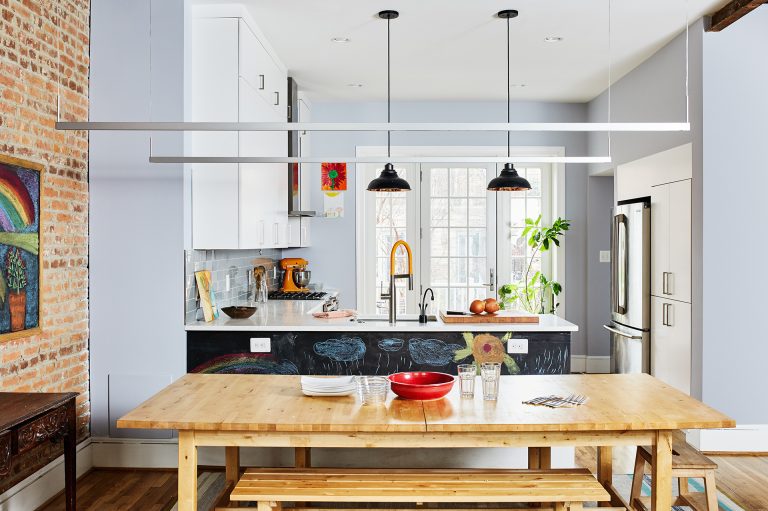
[(284, 338)]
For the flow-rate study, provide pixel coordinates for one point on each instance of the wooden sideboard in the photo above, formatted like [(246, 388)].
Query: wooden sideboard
[(27, 422)]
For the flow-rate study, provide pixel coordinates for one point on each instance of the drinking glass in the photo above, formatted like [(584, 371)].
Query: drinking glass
[(467, 374), (490, 373), (372, 389)]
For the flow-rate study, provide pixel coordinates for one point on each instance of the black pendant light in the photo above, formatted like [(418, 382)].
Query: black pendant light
[(388, 180), (508, 180)]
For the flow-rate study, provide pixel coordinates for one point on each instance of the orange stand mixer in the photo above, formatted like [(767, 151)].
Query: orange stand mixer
[(296, 276)]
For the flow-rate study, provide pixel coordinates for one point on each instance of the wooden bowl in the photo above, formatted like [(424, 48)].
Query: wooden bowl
[(239, 312), (421, 385)]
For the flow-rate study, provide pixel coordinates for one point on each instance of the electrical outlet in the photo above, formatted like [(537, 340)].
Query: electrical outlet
[(261, 345), (517, 346), (605, 256)]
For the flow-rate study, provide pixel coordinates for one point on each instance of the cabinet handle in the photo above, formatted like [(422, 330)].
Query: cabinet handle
[(277, 98), (669, 316), (664, 314), (670, 281), (276, 233), (261, 82), (261, 237)]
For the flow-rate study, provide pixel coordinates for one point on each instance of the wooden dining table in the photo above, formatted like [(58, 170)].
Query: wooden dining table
[(234, 411)]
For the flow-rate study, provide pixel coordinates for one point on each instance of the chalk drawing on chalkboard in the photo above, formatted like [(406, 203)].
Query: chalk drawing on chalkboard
[(245, 363), (391, 344), (341, 350), (432, 352)]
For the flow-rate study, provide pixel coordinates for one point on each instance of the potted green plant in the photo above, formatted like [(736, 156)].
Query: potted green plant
[(537, 293), (16, 278)]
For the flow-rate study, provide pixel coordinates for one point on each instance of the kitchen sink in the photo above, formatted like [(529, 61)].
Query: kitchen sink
[(405, 318)]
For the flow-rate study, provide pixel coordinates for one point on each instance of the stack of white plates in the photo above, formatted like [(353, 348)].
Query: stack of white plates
[(328, 386)]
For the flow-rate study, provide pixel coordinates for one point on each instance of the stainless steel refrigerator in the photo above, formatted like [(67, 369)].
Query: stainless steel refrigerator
[(630, 327)]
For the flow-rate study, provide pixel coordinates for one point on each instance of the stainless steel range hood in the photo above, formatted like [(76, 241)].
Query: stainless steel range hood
[(294, 150)]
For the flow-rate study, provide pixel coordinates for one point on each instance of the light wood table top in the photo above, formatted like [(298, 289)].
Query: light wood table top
[(234, 402), (617, 402), (276, 404)]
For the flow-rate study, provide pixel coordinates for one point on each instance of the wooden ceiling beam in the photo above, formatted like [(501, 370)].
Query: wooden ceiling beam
[(731, 13)]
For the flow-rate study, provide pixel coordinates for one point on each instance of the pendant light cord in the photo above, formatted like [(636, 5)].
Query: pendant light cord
[(509, 96), (389, 95)]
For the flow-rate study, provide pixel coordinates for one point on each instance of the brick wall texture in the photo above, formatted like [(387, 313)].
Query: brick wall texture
[(44, 48)]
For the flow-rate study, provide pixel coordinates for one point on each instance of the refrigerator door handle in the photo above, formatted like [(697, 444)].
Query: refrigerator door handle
[(620, 264), (622, 334)]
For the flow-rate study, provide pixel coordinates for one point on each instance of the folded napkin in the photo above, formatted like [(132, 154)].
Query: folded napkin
[(344, 313)]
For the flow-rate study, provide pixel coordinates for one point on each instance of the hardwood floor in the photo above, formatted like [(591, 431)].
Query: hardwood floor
[(743, 478)]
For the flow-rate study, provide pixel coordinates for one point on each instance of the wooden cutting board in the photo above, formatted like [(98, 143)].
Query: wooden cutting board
[(499, 317)]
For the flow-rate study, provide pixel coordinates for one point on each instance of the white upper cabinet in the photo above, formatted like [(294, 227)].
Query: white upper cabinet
[(671, 241), (233, 78), (299, 227)]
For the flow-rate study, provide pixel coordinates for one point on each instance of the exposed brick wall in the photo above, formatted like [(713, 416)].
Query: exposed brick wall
[(43, 50)]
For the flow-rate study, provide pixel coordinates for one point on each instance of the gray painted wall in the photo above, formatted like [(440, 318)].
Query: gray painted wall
[(332, 255), (136, 216), (735, 180), (599, 204)]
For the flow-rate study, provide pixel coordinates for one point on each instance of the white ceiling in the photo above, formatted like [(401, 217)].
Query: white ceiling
[(456, 49)]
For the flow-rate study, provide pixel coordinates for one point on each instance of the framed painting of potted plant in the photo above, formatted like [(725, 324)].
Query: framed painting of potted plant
[(20, 247)]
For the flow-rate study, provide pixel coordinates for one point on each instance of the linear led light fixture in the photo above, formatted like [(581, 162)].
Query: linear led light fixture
[(383, 127), (378, 159)]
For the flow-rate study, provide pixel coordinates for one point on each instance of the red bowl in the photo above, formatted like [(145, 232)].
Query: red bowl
[(421, 385)]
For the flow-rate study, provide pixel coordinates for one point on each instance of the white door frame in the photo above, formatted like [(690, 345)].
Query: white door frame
[(557, 203)]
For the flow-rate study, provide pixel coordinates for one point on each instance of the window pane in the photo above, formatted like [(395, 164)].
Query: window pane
[(398, 211), (478, 182), (441, 300), (384, 241), (458, 275), (438, 242), (383, 211), (438, 271), (477, 242), (477, 212), (438, 182), (517, 213), (517, 242), (458, 214), (534, 177), (458, 299), (518, 268), (477, 271), (458, 182), (477, 293), (458, 242), (534, 208), (439, 212)]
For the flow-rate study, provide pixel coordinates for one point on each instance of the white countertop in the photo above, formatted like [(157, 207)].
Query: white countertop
[(296, 316)]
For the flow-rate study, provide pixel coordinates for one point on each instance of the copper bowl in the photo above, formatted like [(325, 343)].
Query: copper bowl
[(239, 312)]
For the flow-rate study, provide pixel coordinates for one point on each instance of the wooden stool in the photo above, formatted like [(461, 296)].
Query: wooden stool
[(686, 462)]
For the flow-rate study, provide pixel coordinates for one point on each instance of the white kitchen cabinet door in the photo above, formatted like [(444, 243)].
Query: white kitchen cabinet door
[(214, 206), (671, 342), (259, 69), (679, 266), (671, 241), (659, 238)]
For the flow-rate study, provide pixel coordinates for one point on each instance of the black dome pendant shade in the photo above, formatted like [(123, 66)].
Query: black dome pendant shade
[(508, 180), (388, 180)]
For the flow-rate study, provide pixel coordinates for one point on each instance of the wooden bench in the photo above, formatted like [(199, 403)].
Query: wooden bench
[(562, 489)]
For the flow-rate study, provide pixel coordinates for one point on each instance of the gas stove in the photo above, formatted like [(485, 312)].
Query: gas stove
[(297, 295)]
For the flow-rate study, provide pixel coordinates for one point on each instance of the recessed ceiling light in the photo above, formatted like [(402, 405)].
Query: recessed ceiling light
[(553, 39), (341, 40), (355, 85)]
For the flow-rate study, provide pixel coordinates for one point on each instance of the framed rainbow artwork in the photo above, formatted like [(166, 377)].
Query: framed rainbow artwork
[(20, 247)]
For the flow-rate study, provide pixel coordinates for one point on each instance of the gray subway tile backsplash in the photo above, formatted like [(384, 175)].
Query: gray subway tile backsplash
[(222, 263)]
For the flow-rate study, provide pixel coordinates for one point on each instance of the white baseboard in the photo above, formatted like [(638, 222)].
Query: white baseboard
[(743, 438), (590, 364), (43, 485)]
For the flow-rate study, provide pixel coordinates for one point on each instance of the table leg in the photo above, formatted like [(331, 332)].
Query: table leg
[(187, 471), (661, 486), (70, 457), (534, 458), (232, 462), (605, 469), (302, 457)]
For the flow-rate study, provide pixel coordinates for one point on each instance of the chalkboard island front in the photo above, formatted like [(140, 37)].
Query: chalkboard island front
[(341, 352)]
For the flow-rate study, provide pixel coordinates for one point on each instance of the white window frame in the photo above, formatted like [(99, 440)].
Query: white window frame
[(365, 248)]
